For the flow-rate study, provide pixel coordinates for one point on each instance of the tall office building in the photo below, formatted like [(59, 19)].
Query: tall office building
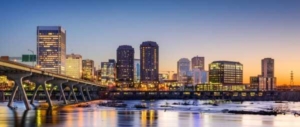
[(125, 61), (149, 53), (108, 70), (226, 72), (51, 48), (267, 67), (74, 65), (137, 70), (199, 76), (198, 62), (183, 68), (266, 81), (88, 69)]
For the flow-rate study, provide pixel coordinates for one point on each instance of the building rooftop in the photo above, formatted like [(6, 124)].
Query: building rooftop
[(149, 43), (124, 47), (50, 28), (184, 60), (228, 62)]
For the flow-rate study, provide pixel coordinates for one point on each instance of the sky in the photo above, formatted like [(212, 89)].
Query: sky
[(235, 30)]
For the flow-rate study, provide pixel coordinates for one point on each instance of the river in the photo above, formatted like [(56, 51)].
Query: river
[(177, 116)]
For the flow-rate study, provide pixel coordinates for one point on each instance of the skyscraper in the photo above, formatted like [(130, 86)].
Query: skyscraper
[(137, 70), (88, 69), (226, 72), (149, 53), (108, 70), (74, 65), (125, 61), (183, 68), (266, 81), (51, 48), (267, 67), (198, 62)]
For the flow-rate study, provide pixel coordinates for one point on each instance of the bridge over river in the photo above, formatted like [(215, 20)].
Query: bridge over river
[(19, 72)]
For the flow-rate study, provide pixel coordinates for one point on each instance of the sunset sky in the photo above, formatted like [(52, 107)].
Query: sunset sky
[(235, 30)]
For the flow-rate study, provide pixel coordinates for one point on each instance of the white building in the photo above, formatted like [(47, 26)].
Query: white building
[(183, 68), (199, 76), (74, 65)]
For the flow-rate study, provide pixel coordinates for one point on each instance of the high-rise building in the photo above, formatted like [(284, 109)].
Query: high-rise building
[(137, 70), (198, 62), (183, 68), (51, 48), (125, 61), (266, 81), (74, 65), (149, 53), (267, 67), (199, 76), (226, 72), (108, 72), (88, 69)]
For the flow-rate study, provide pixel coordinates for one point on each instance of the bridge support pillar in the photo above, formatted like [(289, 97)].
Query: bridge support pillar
[(88, 93), (41, 81), (81, 91), (71, 86), (18, 79), (59, 83)]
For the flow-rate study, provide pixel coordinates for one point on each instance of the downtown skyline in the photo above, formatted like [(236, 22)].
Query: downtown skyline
[(243, 38)]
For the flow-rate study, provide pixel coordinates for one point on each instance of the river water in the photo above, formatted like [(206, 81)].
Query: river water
[(178, 116)]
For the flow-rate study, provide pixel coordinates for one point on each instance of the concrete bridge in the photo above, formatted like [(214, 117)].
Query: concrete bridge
[(19, 72)]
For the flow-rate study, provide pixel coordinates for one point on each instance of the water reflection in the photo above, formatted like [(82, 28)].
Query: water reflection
[(103, 116)]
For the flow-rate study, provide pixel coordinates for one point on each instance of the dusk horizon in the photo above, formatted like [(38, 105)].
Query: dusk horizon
[(149, 63)]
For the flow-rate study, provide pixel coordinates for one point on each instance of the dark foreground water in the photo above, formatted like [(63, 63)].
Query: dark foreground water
[(178, 116)]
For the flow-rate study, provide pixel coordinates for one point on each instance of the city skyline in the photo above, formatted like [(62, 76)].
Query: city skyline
[(249, 37)]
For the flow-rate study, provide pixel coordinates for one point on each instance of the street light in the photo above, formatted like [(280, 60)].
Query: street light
[(32, 56)]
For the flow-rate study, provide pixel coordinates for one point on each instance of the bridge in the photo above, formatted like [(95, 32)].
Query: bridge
[(207, 95), (18, 73)]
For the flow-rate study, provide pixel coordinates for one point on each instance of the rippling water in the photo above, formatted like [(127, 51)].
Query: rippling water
[(178, 116)]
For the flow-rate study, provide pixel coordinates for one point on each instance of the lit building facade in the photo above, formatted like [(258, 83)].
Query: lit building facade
[(149, 56), (267, 67), (183, 68), (198, 62), (74, 65), (266, 81), (125, 65), (88, 69), (108, 72), (137, 70), (51, 48), (260, 83), (163, 76), (174, 76), (98, 75), (226, 72)]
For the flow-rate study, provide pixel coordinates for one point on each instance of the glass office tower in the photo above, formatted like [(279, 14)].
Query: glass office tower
[(137, 72), (88, 69), (108, 72), (51, 48), (226, 72)]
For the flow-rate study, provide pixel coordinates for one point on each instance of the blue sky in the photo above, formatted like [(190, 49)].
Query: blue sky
[(237, 30)]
